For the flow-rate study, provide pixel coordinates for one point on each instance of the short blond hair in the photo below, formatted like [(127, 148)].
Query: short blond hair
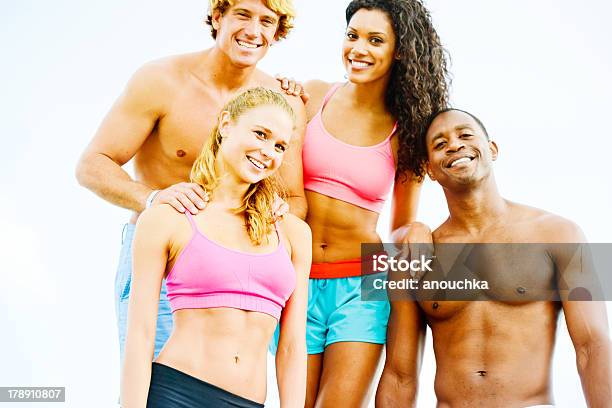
[(283, 8), (257, 204)]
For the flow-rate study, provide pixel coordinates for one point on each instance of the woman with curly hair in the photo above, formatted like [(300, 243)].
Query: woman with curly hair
[(362, 139)]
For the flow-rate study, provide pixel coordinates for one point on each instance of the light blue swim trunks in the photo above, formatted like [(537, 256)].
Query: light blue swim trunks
[(336, 312), (122, 293)]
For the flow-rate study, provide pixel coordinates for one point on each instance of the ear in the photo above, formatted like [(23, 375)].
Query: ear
[(225, 120), (494, 149), (216, 19), (429, 172)]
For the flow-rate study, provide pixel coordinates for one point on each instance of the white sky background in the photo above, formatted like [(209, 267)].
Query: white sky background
[(536, 72)]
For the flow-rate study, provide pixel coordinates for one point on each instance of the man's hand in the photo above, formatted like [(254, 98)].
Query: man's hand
[(291, 87), (181, 196)]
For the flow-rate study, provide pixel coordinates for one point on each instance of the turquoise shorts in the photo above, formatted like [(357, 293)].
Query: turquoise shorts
[(336, 312)]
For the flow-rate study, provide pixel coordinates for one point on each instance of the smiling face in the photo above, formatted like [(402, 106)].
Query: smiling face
[(369, 46), (254, 144), (459, 153), (245, 31)]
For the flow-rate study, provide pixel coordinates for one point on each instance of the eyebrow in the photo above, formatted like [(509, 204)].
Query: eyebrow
[(269, 132), (458, 128), (370, 33), (465, 126), (272, 17), (265, 129)]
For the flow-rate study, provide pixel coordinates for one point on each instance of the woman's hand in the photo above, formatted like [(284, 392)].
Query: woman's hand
[(415, 242)]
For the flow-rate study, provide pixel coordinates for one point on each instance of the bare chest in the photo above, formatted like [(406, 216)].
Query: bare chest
[(509, 274), (181, 133)]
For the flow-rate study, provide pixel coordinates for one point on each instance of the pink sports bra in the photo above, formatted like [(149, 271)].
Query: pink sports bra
[(207, 275), (360, 175)]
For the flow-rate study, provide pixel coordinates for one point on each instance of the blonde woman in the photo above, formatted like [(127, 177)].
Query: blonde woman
[(231, 273)]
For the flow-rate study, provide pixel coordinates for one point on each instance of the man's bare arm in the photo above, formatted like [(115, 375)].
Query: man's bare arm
[(119, 137), (587, 321), (587, 324)]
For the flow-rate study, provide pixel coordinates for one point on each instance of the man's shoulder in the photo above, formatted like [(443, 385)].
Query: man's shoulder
[(167, 70), (548, 226)]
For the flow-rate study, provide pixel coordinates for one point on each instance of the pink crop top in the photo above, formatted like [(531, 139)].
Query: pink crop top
[(360, 175), (207, 275)]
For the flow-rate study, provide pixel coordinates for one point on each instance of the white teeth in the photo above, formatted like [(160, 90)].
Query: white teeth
[(461, 160), (247, 45), (360, 64), (257, 163)]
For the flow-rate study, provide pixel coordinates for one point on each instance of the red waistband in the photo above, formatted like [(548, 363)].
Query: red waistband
[(340, 269)]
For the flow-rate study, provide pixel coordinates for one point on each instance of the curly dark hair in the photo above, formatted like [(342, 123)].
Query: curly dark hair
[(419, 79)]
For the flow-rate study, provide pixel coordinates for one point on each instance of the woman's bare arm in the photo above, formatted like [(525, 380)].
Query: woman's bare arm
[(291, 356), (150, 254)]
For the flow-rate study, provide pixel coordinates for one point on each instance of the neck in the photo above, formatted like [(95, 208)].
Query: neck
[(230, 192), (474, 209), (369, 95), (221, 70)]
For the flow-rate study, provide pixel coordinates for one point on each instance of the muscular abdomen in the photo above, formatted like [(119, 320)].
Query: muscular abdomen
[(491, 353), (338, 228)]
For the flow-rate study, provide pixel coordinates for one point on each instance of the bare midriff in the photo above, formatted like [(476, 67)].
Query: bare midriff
[(491, 353), (338, 228), (223, 346)]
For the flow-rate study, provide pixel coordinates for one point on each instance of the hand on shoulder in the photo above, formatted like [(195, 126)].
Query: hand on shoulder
[(297, 231)]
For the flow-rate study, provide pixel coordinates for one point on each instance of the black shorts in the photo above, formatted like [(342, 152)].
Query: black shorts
[(171, 388)]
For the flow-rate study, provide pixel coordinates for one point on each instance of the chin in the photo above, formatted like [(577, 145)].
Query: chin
[(250, 178), (248, 60), (361, 78)]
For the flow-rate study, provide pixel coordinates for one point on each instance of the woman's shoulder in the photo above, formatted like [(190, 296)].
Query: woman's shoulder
[(317, 90), (317, 87), (296, 230), (159, 219)]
